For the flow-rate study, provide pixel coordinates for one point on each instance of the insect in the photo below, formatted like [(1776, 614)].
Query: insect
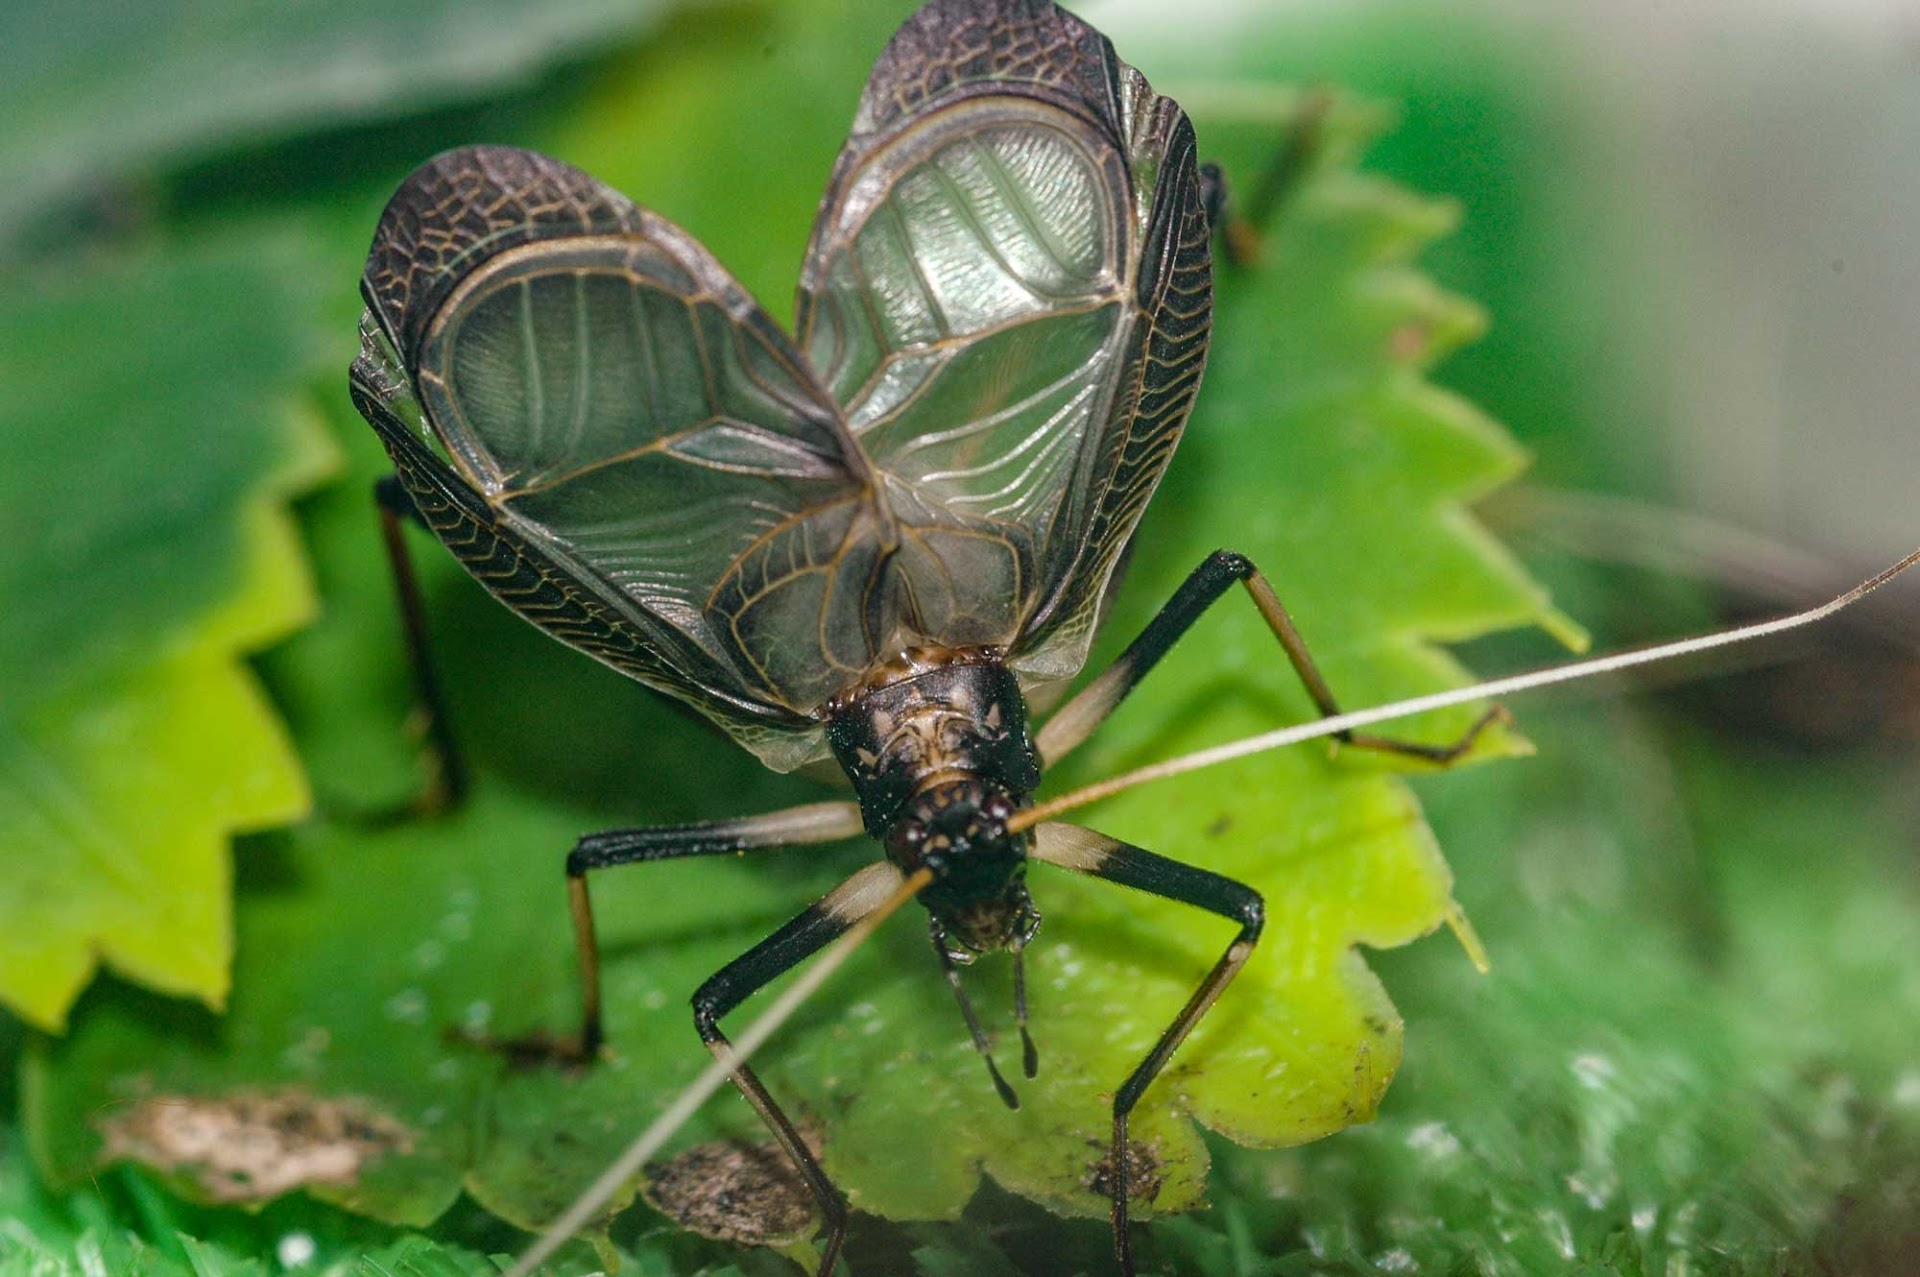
[(870, 541)]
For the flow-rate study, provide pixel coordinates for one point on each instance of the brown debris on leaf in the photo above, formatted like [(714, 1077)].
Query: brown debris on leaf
[(734, 1191), (251, 1146), (1143, 1172)]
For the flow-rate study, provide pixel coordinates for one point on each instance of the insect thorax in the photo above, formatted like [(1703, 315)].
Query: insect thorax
[(940, 757), (936, 716)]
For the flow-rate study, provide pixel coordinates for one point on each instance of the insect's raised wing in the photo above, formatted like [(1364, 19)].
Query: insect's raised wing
[(619, 442), (1008, 293)]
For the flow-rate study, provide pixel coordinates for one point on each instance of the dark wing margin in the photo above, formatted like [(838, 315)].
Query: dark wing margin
[(1159, 380), (461, 208), (1009, 294), (953, 47), (612, 435)]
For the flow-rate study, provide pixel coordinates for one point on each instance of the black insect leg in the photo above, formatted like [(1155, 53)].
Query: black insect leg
[(796, 826), (1111, 860), (1077, 719), (447, 784), (780, 952), (1215, 199), (1239, 225), (1029, 1053), (980, 1044)]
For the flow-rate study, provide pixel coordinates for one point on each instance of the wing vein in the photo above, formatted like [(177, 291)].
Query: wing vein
[(902, 228), (536, 387), (1004, 183)]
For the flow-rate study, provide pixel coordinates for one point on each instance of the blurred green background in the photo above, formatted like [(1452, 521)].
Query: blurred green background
[(1693, 238)]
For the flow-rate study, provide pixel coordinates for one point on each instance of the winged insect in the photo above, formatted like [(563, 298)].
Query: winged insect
[(870, 541)]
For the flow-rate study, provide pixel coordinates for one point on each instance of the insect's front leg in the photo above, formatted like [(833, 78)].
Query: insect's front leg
[(824, 921), (447, 781), (793, 827), (1077, 719), (1111, 860)]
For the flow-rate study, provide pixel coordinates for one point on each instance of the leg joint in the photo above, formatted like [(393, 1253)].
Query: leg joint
[(707, 1010), (1231, 564), (714, 1000), (1250, 910), (607, 849)]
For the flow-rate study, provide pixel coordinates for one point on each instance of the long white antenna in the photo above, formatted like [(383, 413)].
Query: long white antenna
[(1053, 807), (716, 1075)]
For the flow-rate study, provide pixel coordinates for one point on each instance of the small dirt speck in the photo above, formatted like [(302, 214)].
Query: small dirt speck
[(253, 1146), (528, 1052), (1408, 343), (1143, 1173), (735, 1191)]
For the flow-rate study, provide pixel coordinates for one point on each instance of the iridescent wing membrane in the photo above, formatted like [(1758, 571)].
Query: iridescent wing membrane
[(1008, 293), (1002, 323)]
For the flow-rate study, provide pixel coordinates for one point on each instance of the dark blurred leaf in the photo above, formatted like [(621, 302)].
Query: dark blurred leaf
[(94, 90)]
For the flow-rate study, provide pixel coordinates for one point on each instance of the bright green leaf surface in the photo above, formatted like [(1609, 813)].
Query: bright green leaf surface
[(93, 89), (149, 441), (1319, 449)]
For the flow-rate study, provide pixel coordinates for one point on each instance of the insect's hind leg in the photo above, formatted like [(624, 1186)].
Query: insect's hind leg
[(1111, 860), (447, 770), (1275, 614), (1077, 719), (822, 923)]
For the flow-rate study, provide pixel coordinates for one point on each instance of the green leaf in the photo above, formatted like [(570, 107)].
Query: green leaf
[(156, 82), (1320, 450), (150, 442), (1693, 1052), (128, 1256)]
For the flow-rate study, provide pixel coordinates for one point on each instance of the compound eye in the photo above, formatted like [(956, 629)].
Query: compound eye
[(914, 834), (999, 807)]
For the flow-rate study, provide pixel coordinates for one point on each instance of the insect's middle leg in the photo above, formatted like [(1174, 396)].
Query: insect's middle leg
[(1077, 719), (793, 827), (1111, 860), (823, 922)]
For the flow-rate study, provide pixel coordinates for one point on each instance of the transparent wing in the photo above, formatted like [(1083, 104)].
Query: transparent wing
[(552, 590), (1008, 294), (621, 407)]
